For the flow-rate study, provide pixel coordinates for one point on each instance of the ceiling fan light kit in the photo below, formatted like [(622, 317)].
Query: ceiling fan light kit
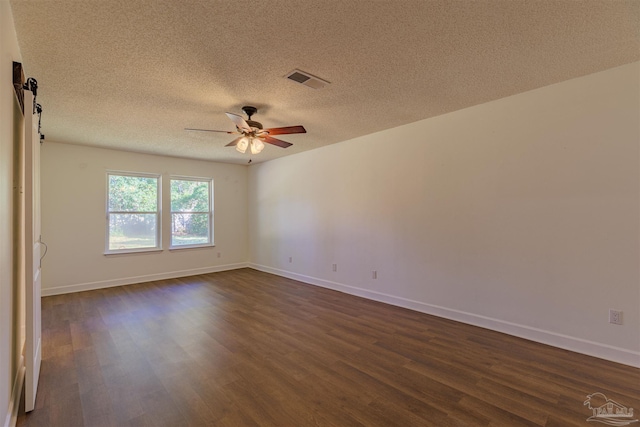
[(253, 134), (255, 144), (241, 146)]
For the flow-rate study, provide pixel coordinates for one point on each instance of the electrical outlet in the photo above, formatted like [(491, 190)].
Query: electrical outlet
[(219, 254), (335, 267), (615, 317), (290, 259), (374, 274)]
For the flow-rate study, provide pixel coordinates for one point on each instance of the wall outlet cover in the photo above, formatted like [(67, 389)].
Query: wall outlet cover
[(615, 317)]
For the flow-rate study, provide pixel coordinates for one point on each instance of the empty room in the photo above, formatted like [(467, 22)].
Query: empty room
[(319, 213)]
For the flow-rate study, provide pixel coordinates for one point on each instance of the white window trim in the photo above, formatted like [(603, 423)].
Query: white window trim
[(158, 247), (211, 243)]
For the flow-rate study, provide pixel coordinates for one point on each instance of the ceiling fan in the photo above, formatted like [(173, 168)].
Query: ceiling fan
[(252, 135)]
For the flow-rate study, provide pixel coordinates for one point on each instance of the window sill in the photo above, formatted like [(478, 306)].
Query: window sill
[(132, 251), (183, 247)]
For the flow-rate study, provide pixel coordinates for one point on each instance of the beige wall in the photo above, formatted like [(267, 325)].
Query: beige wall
[(11, 306), (74, 219), (521, 215)]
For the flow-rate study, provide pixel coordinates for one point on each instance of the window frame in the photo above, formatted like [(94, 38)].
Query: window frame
[(158, 213), (210, 243)]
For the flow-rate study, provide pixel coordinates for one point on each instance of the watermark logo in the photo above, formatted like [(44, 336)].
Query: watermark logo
[(609, 412)]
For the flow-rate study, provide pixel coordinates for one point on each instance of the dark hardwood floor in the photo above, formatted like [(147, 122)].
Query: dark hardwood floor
[(246, 348)]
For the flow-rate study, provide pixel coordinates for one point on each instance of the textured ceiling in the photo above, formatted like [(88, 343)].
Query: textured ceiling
[(131, 74)]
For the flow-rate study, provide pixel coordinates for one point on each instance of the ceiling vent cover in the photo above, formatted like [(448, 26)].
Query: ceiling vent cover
[(306, 79)]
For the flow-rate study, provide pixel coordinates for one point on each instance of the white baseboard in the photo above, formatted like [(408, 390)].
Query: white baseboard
[(66, 289), (16, 393), (578, 345)]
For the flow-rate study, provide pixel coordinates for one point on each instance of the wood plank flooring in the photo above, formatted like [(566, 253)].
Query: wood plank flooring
[(246, 348)]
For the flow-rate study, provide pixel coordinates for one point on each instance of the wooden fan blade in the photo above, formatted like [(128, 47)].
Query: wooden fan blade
[(208, 130), (278, 142), (286, 130), (239, 122), (234, 142)]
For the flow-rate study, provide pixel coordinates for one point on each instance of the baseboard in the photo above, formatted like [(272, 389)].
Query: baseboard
[(578, 345), (16, 393), (66, 289)]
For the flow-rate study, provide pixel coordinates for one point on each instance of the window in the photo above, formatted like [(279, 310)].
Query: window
[(191, 212), (133, 214)]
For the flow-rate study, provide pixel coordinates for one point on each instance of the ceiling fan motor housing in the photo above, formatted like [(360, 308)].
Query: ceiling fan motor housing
[(254, 124)]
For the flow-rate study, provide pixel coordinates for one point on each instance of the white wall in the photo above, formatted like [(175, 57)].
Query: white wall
[(521, 215), (10, 304), (74, 219)]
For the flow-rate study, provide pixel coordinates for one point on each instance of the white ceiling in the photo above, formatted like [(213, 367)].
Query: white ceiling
[(131, 74)]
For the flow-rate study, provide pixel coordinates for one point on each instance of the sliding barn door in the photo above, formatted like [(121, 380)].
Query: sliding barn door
[(32, 256)]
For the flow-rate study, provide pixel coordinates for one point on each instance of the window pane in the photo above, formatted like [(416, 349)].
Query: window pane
[(189, 229), (189, 196), (132, 231), (133, 194)]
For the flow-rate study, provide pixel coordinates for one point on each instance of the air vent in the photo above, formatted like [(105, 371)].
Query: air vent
[(306, 79)]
